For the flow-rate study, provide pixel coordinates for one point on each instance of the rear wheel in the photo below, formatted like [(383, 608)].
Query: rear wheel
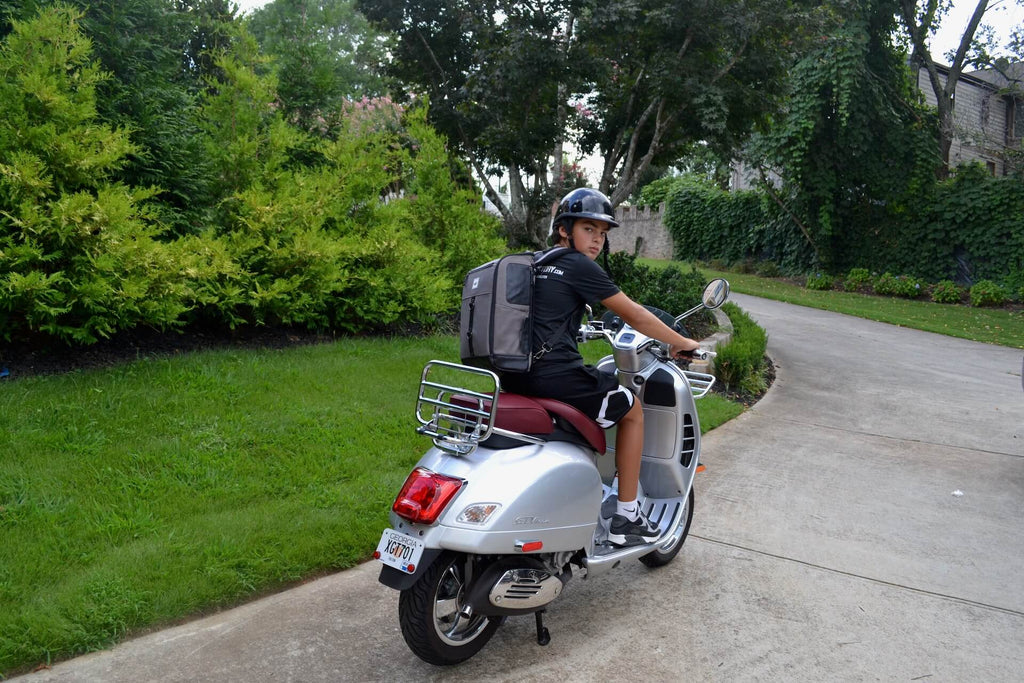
[(664, 553), (436, 622)]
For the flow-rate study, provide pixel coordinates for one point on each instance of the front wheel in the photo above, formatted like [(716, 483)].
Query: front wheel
[(436, 622), (664, 553)]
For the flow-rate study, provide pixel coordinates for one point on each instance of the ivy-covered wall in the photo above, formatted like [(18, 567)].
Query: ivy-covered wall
[(968, 228)]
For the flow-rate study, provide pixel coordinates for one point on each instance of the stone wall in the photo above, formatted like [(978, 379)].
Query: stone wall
[(643, 225)]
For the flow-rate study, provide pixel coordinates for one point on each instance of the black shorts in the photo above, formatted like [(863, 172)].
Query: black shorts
[(596, 394)]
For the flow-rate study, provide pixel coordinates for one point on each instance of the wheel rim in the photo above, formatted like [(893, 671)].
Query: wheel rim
[(451, 625)]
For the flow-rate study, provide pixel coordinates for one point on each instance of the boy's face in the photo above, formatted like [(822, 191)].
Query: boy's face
[(589, 235)]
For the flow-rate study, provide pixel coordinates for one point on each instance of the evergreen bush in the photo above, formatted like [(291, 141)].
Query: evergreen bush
[(354, 232), (79, 254), (740, 363)]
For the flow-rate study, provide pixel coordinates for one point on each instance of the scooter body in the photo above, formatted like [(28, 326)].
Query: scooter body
[(516, 495)]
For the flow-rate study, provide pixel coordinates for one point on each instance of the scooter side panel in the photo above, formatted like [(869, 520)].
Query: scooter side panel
[(550, 494)]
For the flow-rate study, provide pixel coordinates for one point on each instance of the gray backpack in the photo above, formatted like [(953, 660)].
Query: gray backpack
[(496, 326)]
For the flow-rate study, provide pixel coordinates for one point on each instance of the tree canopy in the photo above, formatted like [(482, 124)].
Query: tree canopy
[(635, 81), (325, 52)]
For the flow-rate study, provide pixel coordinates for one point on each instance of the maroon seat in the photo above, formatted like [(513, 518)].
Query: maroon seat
[(532, 415), (588, 429)]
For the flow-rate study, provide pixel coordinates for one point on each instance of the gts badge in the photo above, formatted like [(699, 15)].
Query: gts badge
[(530, 521)]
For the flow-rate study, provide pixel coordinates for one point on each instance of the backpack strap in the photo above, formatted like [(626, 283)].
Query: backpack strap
[(541, 258)]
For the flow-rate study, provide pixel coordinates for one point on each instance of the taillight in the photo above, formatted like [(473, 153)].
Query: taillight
[(424, 495)]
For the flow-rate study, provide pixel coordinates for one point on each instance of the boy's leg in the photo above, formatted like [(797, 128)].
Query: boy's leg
[(629, 444), (629, 525)]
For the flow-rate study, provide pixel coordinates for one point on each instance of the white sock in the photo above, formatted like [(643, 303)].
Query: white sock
[(630, 510)]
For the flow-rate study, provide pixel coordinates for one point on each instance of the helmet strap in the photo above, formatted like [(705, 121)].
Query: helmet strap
[(568, 232)]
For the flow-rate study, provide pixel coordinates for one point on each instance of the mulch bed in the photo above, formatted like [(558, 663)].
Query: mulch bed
[(28, 359)]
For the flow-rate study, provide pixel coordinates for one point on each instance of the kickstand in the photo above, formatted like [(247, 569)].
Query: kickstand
[(543, 637)]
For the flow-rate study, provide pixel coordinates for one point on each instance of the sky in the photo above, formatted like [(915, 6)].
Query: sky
[(1002, 14)]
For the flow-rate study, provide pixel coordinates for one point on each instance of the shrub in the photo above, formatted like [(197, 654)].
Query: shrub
[(987, 293), (80, 255), (669, 288), (1014, 283), (947, 292), (740, 363), (768, 269), (857, 279), (819, 281), (898, 285)]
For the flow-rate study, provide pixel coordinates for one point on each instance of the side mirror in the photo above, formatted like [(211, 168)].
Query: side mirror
[(715, 293)]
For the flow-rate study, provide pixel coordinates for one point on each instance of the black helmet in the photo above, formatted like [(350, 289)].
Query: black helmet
[(585, 203)]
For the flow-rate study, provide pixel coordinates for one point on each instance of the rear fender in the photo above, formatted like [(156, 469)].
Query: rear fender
[(392, 578)]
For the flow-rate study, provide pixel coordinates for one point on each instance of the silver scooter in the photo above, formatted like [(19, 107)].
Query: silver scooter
[(515, 498)]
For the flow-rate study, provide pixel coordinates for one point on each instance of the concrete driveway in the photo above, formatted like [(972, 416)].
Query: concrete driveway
[(862, 522)]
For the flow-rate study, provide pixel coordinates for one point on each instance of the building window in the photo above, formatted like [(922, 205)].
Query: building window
[(984, 111)]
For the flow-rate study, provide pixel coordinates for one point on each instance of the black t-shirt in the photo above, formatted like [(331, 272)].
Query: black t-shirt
[(562, 289)]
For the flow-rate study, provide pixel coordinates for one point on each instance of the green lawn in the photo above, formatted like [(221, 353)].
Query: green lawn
[(136, 496), (992, 326), (160, 489)]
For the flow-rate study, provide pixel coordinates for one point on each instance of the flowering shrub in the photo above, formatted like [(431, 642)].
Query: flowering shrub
[(987, 293), (898, 285), (947, 292)]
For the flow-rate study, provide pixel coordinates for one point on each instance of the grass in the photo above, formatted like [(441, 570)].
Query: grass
[(135, 496), (164, 488), (989, 325)]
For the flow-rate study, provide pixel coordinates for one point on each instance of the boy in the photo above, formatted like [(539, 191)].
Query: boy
[(563, 288)]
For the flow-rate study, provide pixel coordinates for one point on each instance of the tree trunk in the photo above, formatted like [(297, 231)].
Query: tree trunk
[(944, 92)]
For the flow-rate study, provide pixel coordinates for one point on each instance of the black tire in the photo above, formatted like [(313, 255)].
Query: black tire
[(430, 613), (664, 555)]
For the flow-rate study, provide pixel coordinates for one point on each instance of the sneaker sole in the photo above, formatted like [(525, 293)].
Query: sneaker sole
[(626, 540)]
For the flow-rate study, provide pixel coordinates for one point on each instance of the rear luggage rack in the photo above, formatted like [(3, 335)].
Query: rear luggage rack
[(700, 383), (457, 427)]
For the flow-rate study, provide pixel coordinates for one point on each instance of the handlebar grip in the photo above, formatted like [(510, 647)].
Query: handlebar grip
[(699, 354)]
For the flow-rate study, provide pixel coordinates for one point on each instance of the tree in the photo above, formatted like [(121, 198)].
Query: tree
[(666, 75), (637, 80), (854, 141), (15, 9), (919, 19), (498, 77), (325, 51), (139, 43)]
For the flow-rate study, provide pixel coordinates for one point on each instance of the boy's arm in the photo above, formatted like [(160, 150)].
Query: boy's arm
[(642, 320)]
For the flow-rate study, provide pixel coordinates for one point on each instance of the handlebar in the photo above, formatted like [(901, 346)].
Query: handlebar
[(697, 354), (595, 330)]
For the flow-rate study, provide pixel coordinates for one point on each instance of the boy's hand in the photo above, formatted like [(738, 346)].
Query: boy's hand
[(684, 352)]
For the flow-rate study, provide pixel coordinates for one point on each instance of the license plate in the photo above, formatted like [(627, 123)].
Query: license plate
[(399, 551)]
